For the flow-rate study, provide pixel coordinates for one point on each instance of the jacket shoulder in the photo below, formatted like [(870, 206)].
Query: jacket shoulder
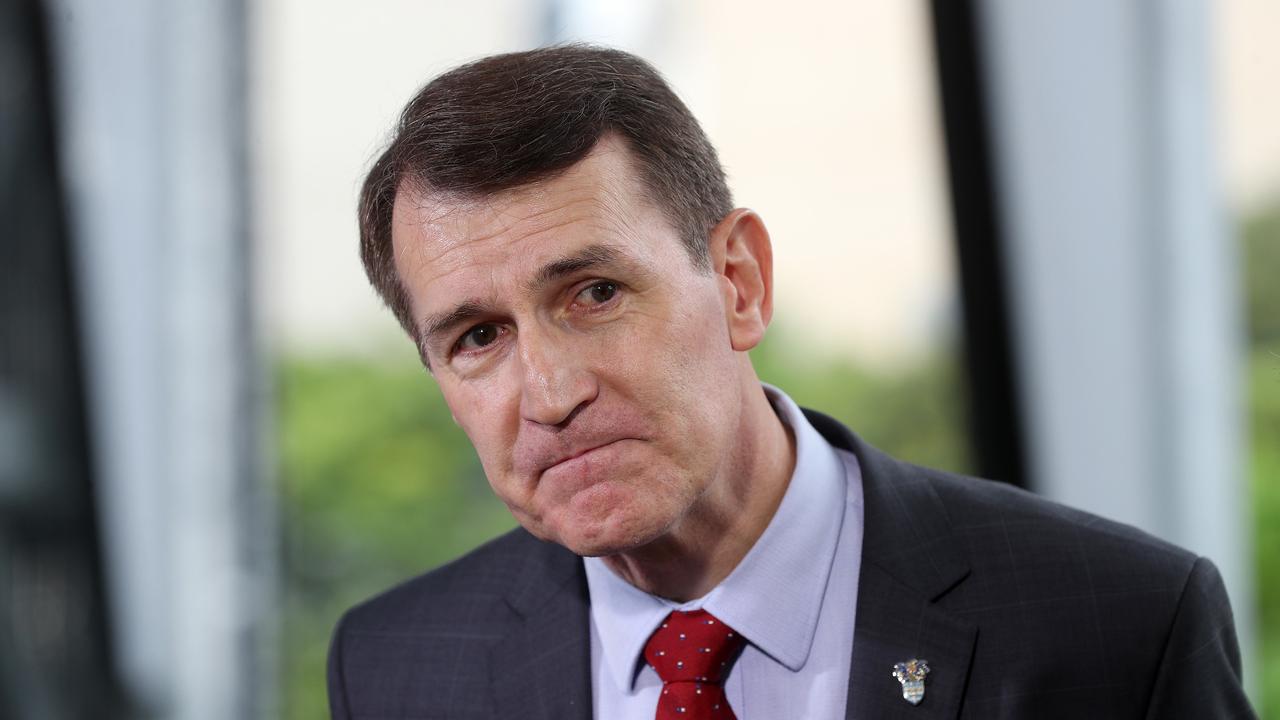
[(451, 595), (999, 529), (423, 648), (1087, 602), (986, 508)]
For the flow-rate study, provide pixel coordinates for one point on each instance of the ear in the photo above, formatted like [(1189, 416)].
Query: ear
[(742, 258)]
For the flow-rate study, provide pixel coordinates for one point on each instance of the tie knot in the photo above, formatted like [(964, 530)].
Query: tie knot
[(692, 647)]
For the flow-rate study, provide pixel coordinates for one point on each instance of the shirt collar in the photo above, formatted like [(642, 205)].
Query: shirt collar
[(774, 595)]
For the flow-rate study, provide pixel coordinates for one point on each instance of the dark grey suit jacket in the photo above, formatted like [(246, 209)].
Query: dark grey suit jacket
[(1023, 609)]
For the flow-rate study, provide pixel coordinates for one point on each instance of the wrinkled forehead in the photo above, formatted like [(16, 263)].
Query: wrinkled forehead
[(505, 234), (597, 200), (487, 251)]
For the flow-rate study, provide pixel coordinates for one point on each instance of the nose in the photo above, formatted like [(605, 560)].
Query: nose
[(555, 381)]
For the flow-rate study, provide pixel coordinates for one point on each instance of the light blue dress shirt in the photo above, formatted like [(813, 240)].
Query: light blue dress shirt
[(792, 597)]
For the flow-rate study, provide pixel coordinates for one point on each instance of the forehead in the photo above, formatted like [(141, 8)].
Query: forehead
[(446, 245)]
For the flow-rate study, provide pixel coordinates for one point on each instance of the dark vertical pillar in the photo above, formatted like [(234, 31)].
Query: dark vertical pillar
[(55, 659), (994, 403)]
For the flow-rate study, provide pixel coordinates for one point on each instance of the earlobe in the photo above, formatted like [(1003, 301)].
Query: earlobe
[(742, 256)]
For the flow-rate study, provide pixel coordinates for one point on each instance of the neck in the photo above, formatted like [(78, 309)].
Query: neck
[(704, 546)]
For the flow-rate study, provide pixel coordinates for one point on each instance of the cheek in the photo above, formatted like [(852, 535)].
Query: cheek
[(680, 368), (696, 356), (487, 414)]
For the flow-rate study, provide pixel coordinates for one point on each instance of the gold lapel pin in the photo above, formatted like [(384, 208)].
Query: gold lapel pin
[(911, 674)]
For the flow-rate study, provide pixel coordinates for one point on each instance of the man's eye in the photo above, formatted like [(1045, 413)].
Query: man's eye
[(598, 293), (479, 336)]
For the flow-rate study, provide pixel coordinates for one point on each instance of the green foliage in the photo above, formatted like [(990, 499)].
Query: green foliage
[(1264, 415), (377, 485), (1261, 238), (915, 413)]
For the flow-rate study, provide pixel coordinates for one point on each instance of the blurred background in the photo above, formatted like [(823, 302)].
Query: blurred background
[(1035, 241)]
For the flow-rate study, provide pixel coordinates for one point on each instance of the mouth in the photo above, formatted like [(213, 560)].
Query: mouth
[(581, 453), (581, 460)]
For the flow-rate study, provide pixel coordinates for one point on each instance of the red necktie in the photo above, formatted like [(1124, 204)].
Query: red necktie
[(692, 652)]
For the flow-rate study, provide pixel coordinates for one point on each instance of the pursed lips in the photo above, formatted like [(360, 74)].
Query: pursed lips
[(552, 459), (579, 453)]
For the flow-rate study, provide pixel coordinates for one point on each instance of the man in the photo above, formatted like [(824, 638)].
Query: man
[(553, 230)]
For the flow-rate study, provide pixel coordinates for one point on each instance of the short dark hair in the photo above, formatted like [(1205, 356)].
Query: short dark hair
[(510, 120)]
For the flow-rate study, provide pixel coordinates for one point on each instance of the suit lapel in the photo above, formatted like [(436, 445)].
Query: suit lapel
[(542, 668), (909, 562), (895, 624)]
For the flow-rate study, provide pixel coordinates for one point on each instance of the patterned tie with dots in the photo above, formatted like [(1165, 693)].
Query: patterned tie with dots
[(692, 652)]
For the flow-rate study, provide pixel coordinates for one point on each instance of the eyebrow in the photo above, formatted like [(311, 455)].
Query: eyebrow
[(440, 324), (434, 326), (588, 257)]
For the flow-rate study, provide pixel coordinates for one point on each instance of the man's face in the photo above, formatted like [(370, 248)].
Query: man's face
[(586, 357)]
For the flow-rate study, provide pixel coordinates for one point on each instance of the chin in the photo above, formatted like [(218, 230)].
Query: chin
[(610, 534), (604, 547), (606, 517)]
